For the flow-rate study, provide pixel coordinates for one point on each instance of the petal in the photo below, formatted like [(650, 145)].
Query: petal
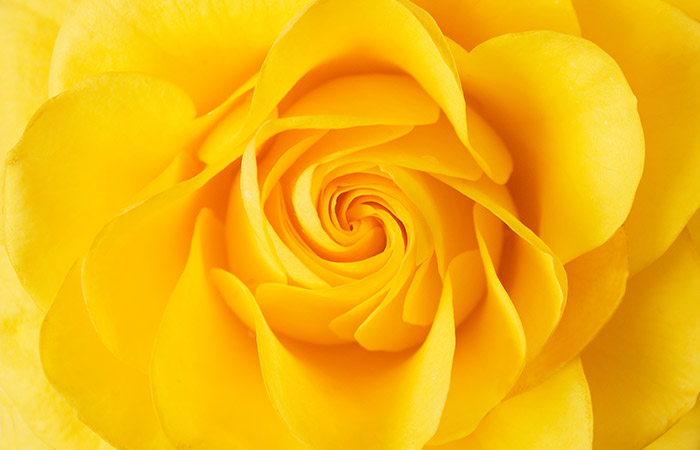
[(84, 155), (597, 282), (664, 77), (205, 373), (554, 415), (28, 29), (565, 111), (42, 409), (683, 434), (690, 7), (470, 22), (379, 31), (643, 367), (109, 397), (130, 272), (14, 433), (208, 48), (346, 397), (490, 348)]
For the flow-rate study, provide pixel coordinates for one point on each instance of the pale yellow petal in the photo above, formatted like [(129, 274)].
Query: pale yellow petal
[(84, 156), (208, 48), (42, 409), (110, 397)]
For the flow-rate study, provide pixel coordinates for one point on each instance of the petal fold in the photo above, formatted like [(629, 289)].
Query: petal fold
[(84, 156)]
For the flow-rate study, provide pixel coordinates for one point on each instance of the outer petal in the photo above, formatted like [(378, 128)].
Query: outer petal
[(208, 48), (564, 109), (554, 415), (684, 434), (110, 397), (28, 29), (206, 378), (470, 22), (643, 367), (84, 156), (664, 77), (42, 409)]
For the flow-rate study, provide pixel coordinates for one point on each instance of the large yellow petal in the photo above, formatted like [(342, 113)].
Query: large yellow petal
[(348, 398), (470, 22), (664, 77), (205, 372), (554, 415), (111, 398), (597, 282), (684, 434), (208, 48), (42, 409), (83, 157), (569, 118), (643, 367)]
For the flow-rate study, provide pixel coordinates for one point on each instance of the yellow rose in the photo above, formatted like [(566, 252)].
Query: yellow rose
[(366, 224)]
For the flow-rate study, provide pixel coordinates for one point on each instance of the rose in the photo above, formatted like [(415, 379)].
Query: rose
[(488, 197)]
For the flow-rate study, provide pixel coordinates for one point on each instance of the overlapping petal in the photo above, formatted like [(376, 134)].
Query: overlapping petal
[(138, 124), (664, 77), (205, 374), (569, 118), (107, 395), (642, 367)]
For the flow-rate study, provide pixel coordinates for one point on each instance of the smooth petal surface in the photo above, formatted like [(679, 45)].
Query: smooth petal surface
[(566, 113), (554, 415), (643, 367), (683, 434), (205, 372), (597, 282), (348, 398), (41, 408), (664, 77), (208, 48), (108, 396), (470, 22), (65, 179)]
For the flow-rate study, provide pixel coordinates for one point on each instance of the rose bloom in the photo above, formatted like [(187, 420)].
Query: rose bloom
[(350, 224)]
